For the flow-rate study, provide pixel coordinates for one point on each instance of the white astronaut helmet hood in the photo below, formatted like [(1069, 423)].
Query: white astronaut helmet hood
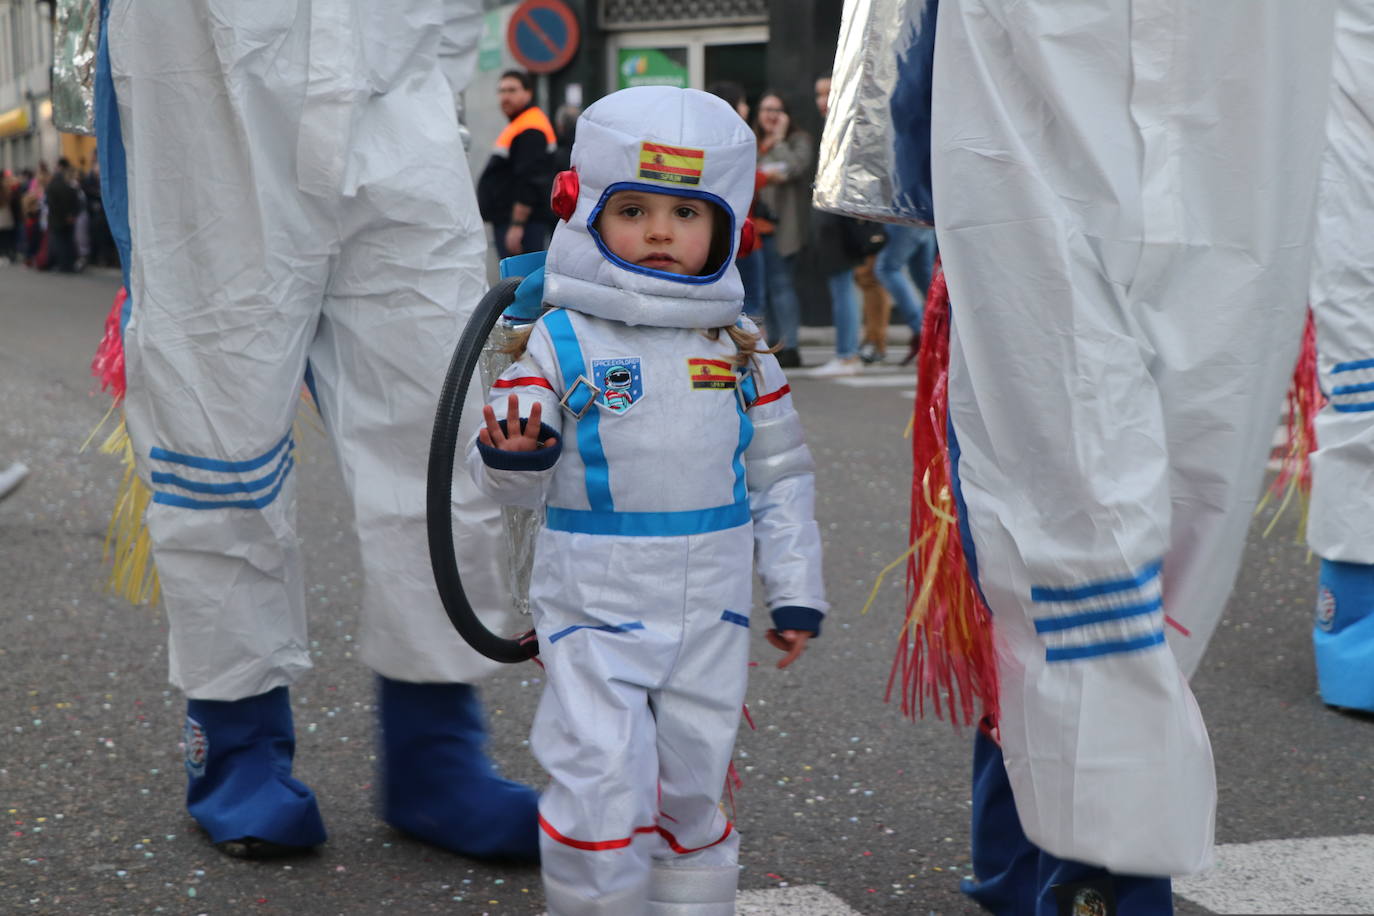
[(666, 140)]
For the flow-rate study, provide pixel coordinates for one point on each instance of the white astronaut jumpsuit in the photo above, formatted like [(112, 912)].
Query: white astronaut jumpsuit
[(1340, 527), (1124, 195), (300, 207), (666, 490)]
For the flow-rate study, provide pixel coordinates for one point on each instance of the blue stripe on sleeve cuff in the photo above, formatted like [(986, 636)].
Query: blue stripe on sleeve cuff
[(790, 617), (538, 460)]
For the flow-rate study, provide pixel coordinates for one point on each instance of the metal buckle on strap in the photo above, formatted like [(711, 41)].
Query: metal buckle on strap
[(580, 381), (750, 374)]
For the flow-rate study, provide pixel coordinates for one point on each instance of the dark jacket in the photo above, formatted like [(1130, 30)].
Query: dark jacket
[(522, 173)]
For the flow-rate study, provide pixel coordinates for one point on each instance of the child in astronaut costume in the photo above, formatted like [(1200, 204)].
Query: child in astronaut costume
[(667, 456)]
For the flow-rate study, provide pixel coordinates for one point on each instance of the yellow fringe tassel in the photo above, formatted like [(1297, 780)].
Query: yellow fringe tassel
[(128, 547)]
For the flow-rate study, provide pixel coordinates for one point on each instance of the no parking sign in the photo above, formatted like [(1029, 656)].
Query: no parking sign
[(542, 35)]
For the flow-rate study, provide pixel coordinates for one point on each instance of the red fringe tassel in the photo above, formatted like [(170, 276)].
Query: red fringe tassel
[(108, 364), (1305, 401), (945, 652)]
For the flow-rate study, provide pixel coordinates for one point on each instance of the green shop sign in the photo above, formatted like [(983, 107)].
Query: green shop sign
[(653, 67)]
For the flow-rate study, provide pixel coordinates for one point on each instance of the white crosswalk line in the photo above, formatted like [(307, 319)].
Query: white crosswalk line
[(1332, 874), (877, 380), (806, 900)]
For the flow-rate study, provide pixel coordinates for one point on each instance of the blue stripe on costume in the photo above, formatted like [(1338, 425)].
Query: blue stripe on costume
[(1044, 593), (1352, 389), (1352, 408), (215, 464), (604, 628), (1096, 650), (234, 486), (185, 502), (732, 617), (114, 179), (647, 524), (1353, 365), (1069, 621), (572, 365)]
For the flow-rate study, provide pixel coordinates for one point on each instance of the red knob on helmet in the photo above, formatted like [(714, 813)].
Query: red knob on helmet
[(564, 198), (748, 239)]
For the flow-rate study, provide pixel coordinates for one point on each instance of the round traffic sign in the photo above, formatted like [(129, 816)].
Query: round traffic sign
[(542, 35)]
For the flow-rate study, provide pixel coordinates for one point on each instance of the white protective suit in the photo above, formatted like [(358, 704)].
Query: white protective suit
[(298, 197), (1340, 525), (665, 491), (1124, 195)]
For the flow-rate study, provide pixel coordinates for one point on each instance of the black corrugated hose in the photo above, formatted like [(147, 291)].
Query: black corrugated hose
[(443, 446)]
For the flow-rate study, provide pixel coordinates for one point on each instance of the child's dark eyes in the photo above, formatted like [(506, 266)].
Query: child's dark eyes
[(686, 212), (631, 211)]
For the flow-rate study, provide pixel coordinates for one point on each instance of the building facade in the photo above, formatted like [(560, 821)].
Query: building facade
[(26, 132)]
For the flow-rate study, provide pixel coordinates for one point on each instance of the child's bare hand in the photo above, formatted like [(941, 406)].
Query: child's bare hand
[(793, 642), (518, 437)]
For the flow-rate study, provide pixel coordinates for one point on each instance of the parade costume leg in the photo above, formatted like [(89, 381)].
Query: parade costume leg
[(239, 784), (437, 783), (340, 227), (1340, 527), (637, 723), (1343, 638), (1112, 430), (1014, 877)]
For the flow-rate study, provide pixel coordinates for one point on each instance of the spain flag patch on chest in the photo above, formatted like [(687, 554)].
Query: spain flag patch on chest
[(711, 374), (672, 164)]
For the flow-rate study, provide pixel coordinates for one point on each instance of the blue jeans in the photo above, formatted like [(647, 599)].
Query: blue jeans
[(781, 308), (752, 273), (906, 246), (844, 309)]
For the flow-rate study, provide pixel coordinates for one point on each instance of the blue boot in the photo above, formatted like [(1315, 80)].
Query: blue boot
[(437, 782), (1343, 637), (239, 784)]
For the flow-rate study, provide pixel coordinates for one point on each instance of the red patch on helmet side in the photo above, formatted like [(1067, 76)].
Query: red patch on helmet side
[(565, 191)]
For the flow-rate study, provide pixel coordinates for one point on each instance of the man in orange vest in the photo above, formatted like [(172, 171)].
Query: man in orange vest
[(513, 192)]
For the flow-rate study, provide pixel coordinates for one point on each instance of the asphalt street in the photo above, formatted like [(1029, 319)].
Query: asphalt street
[(840, 791)]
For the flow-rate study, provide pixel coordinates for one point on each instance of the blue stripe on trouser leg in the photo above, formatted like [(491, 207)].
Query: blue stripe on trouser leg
[(1012, 875), (437, 782), (1343, 636), (238, 764)]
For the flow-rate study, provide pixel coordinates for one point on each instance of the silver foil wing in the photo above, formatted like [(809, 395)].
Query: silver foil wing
[(76, 33), (875, 149)]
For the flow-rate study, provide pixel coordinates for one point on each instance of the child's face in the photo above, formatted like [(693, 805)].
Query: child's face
[(658, 231)]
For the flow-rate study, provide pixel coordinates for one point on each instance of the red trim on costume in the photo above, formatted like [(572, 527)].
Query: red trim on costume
[(773, 396), (682, 850), (718, 363), (533, 381), (596, 845)]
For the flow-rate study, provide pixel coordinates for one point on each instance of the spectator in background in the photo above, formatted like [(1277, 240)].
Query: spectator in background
[(8, 216), (565, 129), (786, 158), (893, 268), (513, 192), (751, 266), (64, 208), (837, 259)]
